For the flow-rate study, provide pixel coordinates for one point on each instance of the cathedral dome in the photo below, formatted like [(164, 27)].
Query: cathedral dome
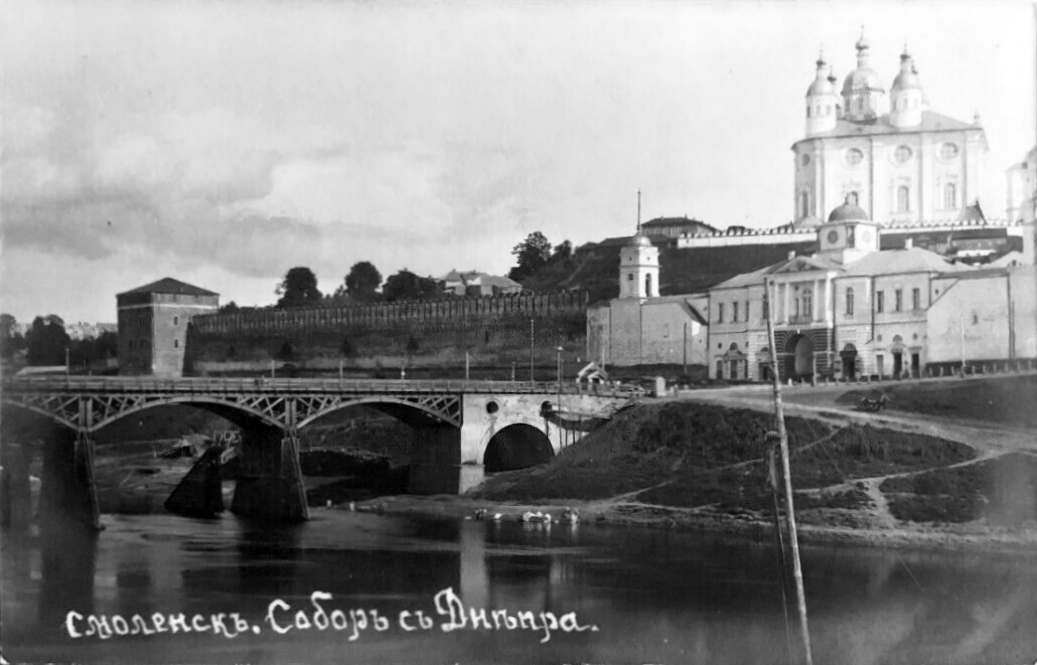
[(862, 78), (848, 212), (820, 86), (907, 81)]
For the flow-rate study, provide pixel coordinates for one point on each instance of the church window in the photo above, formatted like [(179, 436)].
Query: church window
[(902, 154), (648, 285), (880, 301), (860, 103), (809, 109), (903, 198), (734, 311), (817, 110), (948, 151), (898, 305), (849, 301), (720, 313), (916, 299), (852, 198), (950, 196), (630, 277), (805, 159), (854, 157)]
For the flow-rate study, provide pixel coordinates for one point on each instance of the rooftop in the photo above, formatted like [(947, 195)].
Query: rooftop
[(931, 122), (170, 285)]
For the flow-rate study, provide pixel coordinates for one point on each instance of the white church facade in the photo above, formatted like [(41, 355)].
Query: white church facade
[(901, 162)]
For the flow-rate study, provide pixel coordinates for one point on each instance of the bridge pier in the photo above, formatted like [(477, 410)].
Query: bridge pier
[(68, 495), (436, 464), (15, 489), (269, 485)]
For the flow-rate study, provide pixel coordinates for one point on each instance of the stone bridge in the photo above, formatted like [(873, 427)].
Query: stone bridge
[(459, 428)]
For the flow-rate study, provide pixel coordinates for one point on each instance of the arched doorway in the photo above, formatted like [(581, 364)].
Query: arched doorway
[(799, 354), (518, 446), (897, 350), (849, 358)]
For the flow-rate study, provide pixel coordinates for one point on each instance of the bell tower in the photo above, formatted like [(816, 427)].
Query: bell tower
[(639, 264)]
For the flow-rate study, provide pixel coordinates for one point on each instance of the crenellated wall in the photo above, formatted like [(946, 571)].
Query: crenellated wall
[(497, 327)]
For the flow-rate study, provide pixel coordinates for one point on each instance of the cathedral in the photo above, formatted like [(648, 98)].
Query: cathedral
[(902, 164), (848, 308)]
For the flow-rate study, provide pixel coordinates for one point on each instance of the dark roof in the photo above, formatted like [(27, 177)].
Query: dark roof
[(170, 285), (972, 213), (848, 212), (931, 122), (674, 221)]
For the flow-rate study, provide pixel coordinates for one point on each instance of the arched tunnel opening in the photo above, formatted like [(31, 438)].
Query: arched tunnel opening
[(518, 446), (353, 454)]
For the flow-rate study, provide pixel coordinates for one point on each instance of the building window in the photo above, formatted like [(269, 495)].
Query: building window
[(903, 198), (950, 196), (176, 344), (808, 303), (176, 320), (948, 151), (852, 198), (898, 296), (916, 299), (648, 285), (720, 313), (902, 154), (849, 302), (854, 157), (734, 311), (746, 311), (880, 301)]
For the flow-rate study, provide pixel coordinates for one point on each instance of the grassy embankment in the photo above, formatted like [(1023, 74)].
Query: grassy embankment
[(701, 461)]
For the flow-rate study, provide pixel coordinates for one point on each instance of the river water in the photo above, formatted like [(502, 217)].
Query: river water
[(615, 595)]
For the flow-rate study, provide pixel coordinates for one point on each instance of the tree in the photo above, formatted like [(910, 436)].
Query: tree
[(10, 339), (47, 341), (405, 285), (298, 289), (363, 281), (563, 251), (532, 253)]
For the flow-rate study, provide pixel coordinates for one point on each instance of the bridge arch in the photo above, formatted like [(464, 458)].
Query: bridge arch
[(409, 411), (50, 416), (232, 411), (517, 446)]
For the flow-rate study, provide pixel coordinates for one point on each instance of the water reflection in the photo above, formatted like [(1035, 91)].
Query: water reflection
[(655, 595)]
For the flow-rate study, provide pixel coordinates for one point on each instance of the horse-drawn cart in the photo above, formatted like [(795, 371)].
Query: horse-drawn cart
[(873, 405)]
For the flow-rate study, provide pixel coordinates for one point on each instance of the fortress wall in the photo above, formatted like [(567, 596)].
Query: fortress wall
[(495, 329)]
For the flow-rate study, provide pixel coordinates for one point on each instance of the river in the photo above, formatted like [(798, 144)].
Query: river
[(605, 594)]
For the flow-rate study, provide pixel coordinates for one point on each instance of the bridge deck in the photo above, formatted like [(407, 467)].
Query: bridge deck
[(209, 385)]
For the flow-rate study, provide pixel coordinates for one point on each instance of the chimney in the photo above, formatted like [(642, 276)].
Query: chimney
[(909, 243)]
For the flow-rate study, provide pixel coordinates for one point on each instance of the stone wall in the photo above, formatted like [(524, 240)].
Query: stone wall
[(494, 329)]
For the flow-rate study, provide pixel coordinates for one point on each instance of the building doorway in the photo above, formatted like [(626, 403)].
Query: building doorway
[(898, 364), (804, 356), (849, 358), (916, 365)]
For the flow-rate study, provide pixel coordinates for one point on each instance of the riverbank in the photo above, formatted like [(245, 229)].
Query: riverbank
[(597, 513), (681, 464)]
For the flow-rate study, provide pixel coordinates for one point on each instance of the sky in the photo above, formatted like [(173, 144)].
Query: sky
[(223, 143)]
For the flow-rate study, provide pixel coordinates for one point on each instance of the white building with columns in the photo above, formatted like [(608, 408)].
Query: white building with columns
[(851, 310), (899, 161)]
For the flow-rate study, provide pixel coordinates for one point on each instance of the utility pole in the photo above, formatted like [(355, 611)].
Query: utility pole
[(532, 336), (790, 513)]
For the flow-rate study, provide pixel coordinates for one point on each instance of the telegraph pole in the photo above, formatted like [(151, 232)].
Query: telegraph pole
[(532, 336), (790, 514)]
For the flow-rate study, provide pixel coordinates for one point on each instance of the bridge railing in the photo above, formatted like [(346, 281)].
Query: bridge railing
[(81, 384)]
